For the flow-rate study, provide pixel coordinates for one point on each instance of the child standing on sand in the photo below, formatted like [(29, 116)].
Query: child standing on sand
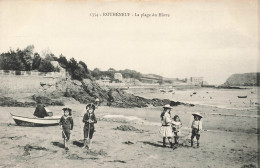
[(196, 127), (97, 102), (165, 129), (66, 125), (89, 119), (176, 125)]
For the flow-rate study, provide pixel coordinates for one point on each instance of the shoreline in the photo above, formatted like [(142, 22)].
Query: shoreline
[(223, 142)]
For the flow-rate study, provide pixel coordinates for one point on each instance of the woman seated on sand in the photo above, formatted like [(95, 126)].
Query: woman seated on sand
[(166, 130)]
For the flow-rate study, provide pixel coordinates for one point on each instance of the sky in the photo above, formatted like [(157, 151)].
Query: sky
[(212, 39)]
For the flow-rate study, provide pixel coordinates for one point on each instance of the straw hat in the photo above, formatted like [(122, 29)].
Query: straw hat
[(167, 106), (197, 114)]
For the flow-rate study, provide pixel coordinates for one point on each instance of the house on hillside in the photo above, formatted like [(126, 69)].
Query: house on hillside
[(196, 80), (151, 79), (132, 81), (104, 81), (119, 77)]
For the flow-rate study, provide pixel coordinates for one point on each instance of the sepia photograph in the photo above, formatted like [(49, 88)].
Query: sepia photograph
[(132, 83)]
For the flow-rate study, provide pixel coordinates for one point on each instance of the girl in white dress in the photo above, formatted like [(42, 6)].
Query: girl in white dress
[(166, 130)]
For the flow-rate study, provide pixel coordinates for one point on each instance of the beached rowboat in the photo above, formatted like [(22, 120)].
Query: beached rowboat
[(32, 122), (242, 96)]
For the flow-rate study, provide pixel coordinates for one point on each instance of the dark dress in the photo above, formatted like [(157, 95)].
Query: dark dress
[(40, 111), (89, 127), (67, 125)]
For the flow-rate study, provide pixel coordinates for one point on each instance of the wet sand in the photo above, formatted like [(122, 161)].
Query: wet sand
[(229, 139)]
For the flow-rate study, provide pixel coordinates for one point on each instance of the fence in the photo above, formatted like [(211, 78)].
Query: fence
[(33, 73)]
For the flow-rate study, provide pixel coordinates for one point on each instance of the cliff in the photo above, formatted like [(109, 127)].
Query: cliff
[(246, 79)]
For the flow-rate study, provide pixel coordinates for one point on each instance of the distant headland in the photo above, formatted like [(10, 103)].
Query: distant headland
[(245, 79)]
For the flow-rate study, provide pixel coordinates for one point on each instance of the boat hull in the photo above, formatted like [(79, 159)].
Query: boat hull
[(36, 122), (243, 97)]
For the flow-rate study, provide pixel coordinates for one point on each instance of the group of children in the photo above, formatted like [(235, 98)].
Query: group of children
[(66, 124), (171, 127)]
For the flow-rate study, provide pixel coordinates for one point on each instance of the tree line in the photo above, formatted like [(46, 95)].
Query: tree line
[(127, 73), (28, 60)]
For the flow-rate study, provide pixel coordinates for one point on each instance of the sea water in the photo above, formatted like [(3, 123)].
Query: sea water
[(221, 98)]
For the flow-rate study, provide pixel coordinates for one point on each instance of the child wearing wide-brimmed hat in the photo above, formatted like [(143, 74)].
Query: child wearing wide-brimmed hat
[(196, 127), (66, 124), (166, 121), (89, 119), (176, 125)]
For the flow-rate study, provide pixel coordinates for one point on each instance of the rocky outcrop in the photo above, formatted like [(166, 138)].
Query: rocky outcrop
[(10, 102), (246, 79), (119, 98), (86, 92)]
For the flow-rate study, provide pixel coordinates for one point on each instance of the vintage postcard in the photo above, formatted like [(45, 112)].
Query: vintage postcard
[(106, 83)]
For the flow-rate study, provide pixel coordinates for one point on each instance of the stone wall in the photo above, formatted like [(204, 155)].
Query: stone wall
[(33, 73), (23, 84)]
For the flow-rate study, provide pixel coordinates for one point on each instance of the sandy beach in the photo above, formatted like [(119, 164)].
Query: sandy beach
[(133, 59), (229, 139)]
